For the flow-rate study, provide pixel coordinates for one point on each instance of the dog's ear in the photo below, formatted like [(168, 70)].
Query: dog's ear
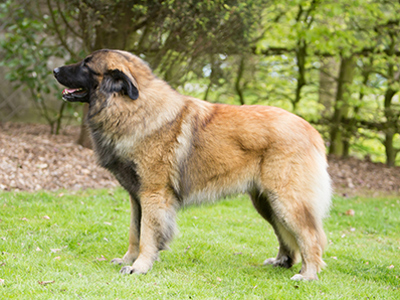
[(116, 81)]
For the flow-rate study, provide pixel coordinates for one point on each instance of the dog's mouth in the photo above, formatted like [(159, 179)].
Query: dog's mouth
[(78, 94)]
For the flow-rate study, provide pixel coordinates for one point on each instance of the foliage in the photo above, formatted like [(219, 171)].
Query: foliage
[(27, 51), (240, 52), (68, 240), (361, 36)]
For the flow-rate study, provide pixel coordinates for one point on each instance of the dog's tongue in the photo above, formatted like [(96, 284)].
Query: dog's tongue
[(69, 91)]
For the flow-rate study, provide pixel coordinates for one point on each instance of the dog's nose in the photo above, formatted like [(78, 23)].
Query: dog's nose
[(56, 71)]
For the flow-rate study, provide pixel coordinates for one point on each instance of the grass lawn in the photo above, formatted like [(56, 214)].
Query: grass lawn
[(59, 246)]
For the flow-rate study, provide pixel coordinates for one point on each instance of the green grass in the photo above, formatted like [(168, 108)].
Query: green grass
[(217, 254)]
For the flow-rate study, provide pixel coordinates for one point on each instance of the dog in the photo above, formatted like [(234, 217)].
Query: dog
[(169, 150)]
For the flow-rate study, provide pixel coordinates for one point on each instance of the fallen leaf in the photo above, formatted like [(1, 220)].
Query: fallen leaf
[(350, 212), (352, 229), (391, 267), (24, 219), (219, 279), (45, 282), (2, 264), (57, 257), (102, 258), (1, 281), (107, 223), (57, 250), (3, 238), (106, 239), (46, 217), (38, 249)]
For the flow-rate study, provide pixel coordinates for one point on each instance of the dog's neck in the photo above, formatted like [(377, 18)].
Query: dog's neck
[(158, 105)]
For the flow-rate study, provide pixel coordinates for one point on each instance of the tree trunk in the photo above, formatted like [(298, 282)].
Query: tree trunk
[(391, 120), (238, 87), (301, 55), (328, 84), (389, 149), (84, 137), (391, 116), (341, 108), (105, 38)]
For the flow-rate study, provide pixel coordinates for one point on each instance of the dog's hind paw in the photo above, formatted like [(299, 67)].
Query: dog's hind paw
[(283, 261), (299, 277), (269, 261)]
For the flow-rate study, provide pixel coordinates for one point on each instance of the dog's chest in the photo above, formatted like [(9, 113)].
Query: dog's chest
[(123, 169)]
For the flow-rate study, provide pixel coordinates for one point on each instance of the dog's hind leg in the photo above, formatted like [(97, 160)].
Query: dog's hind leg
[(298, 192), (134, 234), (156, 229), (304, 226), (288, 253)]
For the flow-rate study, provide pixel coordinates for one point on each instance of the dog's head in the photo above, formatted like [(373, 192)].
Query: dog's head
[(105, 72)]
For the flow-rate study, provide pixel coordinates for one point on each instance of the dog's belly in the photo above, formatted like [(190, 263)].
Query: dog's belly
[(206, 177)]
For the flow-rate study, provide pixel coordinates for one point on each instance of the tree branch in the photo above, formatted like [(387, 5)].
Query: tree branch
[(66, 22), (63, 42)]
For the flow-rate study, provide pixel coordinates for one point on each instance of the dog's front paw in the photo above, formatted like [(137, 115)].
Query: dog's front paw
[(128, 259), (137, 268), (126, 270), (118, 261), (297, 277)]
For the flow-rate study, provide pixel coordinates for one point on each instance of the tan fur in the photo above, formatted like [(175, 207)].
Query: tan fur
[(186, 150)]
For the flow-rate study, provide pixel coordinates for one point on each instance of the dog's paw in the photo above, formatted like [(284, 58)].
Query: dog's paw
[(128, 259), (284, 262), (118, 261), (136, 268), (126, 270), (297, 277), (141, 266), (269, 261), (300, 277)]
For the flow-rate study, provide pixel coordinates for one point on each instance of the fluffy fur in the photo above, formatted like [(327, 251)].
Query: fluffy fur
[(168, 150)]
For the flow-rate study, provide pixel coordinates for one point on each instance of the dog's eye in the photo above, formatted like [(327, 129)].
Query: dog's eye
[(91, 70)]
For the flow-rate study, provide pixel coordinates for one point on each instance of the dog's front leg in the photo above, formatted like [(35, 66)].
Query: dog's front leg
[(156, 229), (134, 233)]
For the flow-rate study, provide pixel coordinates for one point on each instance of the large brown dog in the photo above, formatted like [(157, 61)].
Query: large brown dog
[(168, 150)]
